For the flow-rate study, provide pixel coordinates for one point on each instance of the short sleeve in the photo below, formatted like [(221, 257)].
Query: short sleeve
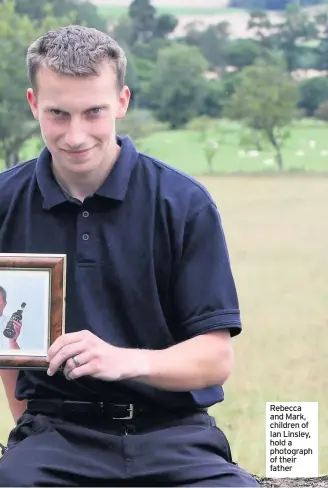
[(205, 296)]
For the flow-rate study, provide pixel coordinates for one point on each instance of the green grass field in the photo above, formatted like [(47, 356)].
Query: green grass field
[(184, 150), (277, 232)]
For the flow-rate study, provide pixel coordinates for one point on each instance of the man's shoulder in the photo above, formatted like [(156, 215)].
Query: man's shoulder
[(12, 180), (18, 173), (175, 185)]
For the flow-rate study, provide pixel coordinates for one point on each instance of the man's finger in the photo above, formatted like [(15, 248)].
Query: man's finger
[(85, 370), (63, 355), (62, 341), (82, 359)]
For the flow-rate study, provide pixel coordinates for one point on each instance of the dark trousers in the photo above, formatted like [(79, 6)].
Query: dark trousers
[(186, 451)]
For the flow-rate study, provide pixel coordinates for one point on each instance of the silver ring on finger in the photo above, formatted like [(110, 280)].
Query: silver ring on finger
[(76, 361)]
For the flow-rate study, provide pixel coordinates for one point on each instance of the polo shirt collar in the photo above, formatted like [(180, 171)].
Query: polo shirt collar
[(114, 187)]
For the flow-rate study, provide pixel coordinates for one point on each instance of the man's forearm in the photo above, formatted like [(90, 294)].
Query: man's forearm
[(199, 362), (9, 379)]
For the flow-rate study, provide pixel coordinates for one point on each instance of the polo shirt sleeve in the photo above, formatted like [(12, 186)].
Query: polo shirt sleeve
[(205, 295)]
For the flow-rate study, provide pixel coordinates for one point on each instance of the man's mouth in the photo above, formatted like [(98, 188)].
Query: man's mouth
[(78, 153)]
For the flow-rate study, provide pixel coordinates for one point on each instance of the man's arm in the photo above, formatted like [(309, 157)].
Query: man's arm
[(199, 362), (9, 379), (13, 344)]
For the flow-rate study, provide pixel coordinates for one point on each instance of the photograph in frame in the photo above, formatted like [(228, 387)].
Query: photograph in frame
[(32, 307)]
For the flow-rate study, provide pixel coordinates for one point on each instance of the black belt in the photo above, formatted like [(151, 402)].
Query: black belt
[(67, 407), (115, 411)]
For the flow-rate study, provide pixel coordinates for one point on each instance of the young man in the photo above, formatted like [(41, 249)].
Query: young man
[(6, 343), (151, 303)]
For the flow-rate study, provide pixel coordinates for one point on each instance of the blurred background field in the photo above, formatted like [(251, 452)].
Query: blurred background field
[(306, 150), (220, 90), (277, 232)]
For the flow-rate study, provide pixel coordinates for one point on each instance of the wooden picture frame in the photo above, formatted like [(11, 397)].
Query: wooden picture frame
[(32, 286)]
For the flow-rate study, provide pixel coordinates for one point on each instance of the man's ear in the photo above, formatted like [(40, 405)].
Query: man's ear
[(32, 100), (123, 102)]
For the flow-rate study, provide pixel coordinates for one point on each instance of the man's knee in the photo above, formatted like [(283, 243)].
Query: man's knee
[(11, 472), (232, 476), (240, 477), (19, 467)]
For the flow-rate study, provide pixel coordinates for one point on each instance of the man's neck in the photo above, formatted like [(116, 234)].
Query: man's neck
[(81, 186)]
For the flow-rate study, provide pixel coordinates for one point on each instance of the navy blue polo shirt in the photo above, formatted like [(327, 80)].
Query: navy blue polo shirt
[(147, 265)]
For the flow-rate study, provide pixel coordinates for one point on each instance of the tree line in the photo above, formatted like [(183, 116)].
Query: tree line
[(269, 4), (201, 74)]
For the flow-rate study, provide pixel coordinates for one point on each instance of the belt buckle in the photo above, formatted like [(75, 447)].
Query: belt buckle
[(130, 410)]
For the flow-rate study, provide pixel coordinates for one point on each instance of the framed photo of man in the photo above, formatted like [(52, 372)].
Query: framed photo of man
[(32, 307)]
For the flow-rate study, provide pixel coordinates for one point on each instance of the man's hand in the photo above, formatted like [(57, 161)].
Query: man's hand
[(13, 340), (95, 357)]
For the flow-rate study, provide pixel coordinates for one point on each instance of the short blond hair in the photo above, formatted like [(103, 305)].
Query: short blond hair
[(75, 50)]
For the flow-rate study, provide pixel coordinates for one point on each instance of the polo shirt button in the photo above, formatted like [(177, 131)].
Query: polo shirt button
[(85, 214), (85, 237)]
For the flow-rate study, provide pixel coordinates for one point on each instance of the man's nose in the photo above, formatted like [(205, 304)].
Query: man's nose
[(75, 136)]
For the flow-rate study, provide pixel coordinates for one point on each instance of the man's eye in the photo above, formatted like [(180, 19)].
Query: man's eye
[(95, 111), (56, 112)]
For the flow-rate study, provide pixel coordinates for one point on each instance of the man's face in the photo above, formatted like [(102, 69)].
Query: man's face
[(3, 304), (77, 116)]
